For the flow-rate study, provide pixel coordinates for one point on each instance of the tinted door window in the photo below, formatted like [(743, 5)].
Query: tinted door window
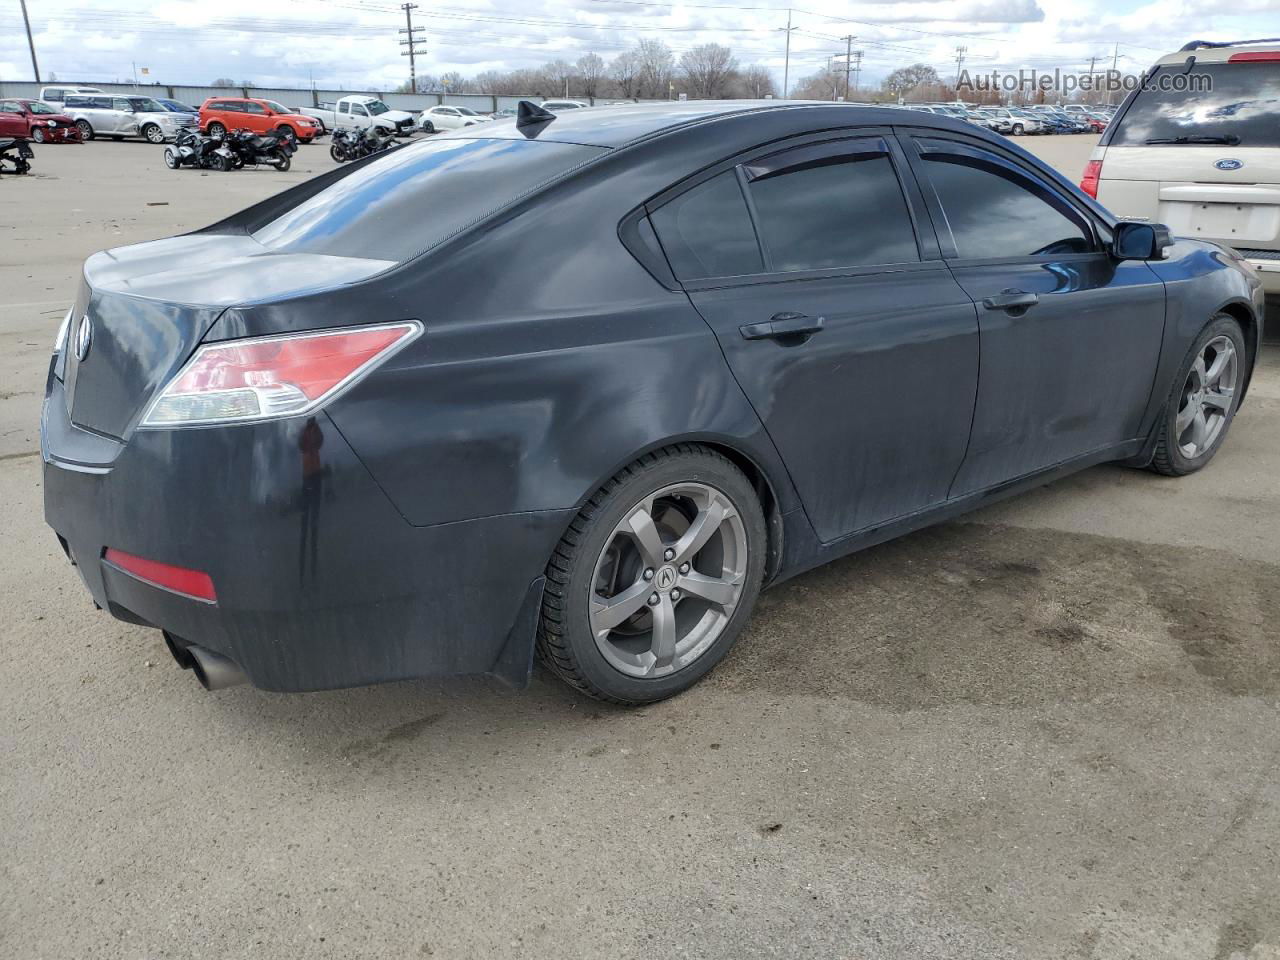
[(707, 232), (255, 108), (993, 212), (119, 103), (835, 211)]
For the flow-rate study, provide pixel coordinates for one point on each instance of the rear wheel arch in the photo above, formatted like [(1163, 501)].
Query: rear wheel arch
[(761, 481)]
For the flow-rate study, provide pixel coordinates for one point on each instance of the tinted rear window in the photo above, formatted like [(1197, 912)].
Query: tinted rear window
[(1244, 102), (818, 216), (411, 199)]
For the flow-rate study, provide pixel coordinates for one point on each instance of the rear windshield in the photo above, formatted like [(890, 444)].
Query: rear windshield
[(1242, 107), (406, 202)]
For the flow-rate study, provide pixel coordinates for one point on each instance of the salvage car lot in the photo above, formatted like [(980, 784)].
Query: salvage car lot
[(1048, 729)]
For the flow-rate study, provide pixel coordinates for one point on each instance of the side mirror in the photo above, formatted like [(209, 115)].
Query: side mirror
[(1140, 241)]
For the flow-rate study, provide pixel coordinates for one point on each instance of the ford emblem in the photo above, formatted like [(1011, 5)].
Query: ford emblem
[(1229, 163), (84, 337)]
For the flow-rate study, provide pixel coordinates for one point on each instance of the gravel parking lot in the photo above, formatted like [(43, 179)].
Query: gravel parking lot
[(1049, 730)]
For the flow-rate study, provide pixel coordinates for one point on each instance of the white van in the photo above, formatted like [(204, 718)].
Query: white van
[(1197, 147), (56, 96)]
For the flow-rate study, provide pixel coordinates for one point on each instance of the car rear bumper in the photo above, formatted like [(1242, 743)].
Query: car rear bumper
[(320, 582), (1267, 263)]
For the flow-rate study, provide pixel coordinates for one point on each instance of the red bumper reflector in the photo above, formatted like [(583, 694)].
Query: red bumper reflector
[(193, 583)]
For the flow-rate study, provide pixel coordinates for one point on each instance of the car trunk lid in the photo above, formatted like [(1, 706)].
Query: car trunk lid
[(142, 310)]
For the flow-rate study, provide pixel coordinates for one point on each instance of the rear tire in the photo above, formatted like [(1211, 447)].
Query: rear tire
[(284, 164), (1018, 130), (220, 164), (216, 129), (1203, 399), (37, 134), (635, 546), (86, 130)]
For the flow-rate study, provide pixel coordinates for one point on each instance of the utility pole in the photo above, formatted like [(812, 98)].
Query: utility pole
[(848, 62), (786, 68), (857, 70), (960, 52), (32, 44), (1115, 57), (1092, 92), (411, 42)]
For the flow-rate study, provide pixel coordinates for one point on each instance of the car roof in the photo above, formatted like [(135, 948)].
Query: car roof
[(627, 124), (1207, 52)]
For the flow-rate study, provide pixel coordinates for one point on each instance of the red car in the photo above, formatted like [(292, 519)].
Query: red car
[(34, 120), (219, 115)]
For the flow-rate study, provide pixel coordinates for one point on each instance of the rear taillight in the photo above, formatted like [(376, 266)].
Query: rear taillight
[(268, 377), (1092, 174), (192, 583)]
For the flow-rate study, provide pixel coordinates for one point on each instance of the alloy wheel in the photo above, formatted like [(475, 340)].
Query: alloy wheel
[(668, 580), (37, 134), (154, 134), (1206, 398)]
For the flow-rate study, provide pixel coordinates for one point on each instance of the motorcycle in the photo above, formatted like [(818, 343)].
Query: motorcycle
[(273, 150), (356, 144), (191, 149), (15, 154)]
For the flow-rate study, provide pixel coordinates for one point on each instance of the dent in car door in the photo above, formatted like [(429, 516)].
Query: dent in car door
[(859, 356), (1070, 336)]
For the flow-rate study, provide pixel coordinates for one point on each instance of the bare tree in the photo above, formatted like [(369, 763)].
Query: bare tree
[(755, 83), (590, 72), (905, 79), (826, 84), (657, 66), (560, 73), (453, 82), (707, 69), (624, 71)]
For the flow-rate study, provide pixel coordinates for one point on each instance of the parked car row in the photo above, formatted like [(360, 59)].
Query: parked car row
[(1017, 121)]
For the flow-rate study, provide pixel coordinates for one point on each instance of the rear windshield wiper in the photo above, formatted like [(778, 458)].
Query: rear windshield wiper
[(1230, 139)]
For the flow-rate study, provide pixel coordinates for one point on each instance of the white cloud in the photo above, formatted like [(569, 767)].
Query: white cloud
[(354, 43)]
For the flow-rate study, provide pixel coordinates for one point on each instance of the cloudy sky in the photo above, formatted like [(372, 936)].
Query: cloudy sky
[(353, 43)]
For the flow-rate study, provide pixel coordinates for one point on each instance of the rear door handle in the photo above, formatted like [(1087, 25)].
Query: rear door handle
[(783, 325), (1011, 300)]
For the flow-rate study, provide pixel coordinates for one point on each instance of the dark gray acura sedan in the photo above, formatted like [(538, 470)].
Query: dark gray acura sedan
[(582, 385)]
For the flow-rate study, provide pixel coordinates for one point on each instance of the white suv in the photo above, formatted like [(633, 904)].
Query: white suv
[(1197, 147), (107, 115)]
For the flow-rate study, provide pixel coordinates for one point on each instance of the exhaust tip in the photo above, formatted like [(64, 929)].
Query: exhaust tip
[(179, 649), (213, 670)]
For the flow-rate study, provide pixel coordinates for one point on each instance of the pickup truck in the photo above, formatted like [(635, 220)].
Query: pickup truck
[(360, 113)]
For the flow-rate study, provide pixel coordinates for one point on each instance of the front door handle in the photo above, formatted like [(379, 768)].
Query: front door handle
[(1011, 300), (783, 325)]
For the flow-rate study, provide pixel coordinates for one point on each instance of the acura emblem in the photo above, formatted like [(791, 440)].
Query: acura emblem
[(1229, 163), (666, 578), (84, 337)]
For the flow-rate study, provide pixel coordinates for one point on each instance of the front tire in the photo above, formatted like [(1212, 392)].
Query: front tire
[(1203, 401), (428, 128), (171, 158), (1018, 130), (153, 133), (288, 133), (655, 579)]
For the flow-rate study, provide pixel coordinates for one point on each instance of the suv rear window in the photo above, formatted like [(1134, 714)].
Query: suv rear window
[(1243, 107), (409, 200)]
